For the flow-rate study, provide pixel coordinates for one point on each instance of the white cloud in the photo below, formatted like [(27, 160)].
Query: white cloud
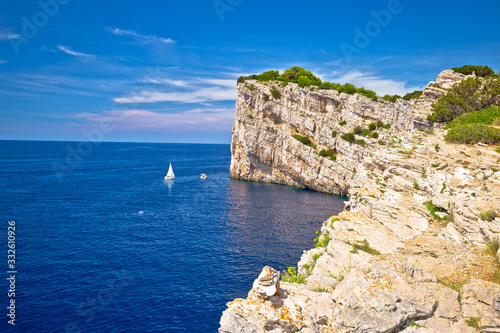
[(3, 61), (196, 96), (177, 83), (221, 82), (141, 39), (6, 35), (69, 51), (370, 81), (206, 120)]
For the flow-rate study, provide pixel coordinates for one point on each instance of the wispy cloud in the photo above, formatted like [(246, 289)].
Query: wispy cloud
[(177, 83), (140, 38), (197, 90), (205, 120), (3, 61), (371, 81), (69, 51), (6, 34), (198, 96)]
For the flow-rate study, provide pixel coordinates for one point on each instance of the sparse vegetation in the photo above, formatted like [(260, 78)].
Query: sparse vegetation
[(334, 134), (415, 186), (304, 140), (276, 93), (436, 147), (291, 276), (433, 210), (473, 322), (266, 97), (365, 247), (414, 324), (342, 123), (250, 87), (492, 247), (488, 215), (322, 241)]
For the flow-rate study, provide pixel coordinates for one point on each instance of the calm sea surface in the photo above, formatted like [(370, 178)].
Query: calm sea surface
[(109, 246)]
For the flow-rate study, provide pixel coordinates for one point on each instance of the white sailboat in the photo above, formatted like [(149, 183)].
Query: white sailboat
[(170, 174)]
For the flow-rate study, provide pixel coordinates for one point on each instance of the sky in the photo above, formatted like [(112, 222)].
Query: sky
[(166, 71)]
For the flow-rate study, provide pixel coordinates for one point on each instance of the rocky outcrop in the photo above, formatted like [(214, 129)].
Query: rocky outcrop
[(408, 252)]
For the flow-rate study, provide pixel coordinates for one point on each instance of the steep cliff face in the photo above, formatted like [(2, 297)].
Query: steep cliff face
[(263, 148), (414, 225)]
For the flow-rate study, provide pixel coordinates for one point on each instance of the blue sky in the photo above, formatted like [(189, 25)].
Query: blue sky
[(165, 71)]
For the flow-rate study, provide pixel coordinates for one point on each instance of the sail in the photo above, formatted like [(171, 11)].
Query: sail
[(170, 173)]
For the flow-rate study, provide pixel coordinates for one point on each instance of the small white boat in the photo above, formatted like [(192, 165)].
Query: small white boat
[(203, 176), (170, 174)]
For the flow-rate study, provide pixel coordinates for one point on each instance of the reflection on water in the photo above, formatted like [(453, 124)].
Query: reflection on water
[(273, 224)]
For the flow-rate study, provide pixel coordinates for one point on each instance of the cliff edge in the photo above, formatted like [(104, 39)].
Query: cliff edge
[(411, 252)]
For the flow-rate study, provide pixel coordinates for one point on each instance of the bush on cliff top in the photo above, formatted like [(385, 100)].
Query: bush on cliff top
[(470, 95), (473, 133), (305, 78), (486, 117), (481, 71)]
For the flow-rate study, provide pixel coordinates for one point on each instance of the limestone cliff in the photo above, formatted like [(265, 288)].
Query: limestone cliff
[(410, 231)]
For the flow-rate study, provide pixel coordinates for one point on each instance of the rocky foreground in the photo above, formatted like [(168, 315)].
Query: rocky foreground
[(410, 251)]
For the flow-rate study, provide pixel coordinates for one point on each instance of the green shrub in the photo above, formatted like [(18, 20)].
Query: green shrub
[(437, 148), (333, 158), (349, 137), (415, 186), (473, 134), (368, 93), (413, 323), (415, 94), (433, 209), (266, 97), (250, 116), (360, 142), (372, 126), (391, 98), (357, 130), (492, 247), (365, 132), (305, 140), (386, 126), (382, 143), (342, 123), (251, 88), (347, 88), (379, 123), (473, 322), (334, 134), (326, 153), (322, 241), (488, 215), (481, 71), (291, 276), (276, 93), (469, 95), (374, 135), (365, 247), (486, 117), (497, 149)]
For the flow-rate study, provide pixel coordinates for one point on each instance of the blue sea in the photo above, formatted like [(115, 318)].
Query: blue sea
[(104, 244)]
